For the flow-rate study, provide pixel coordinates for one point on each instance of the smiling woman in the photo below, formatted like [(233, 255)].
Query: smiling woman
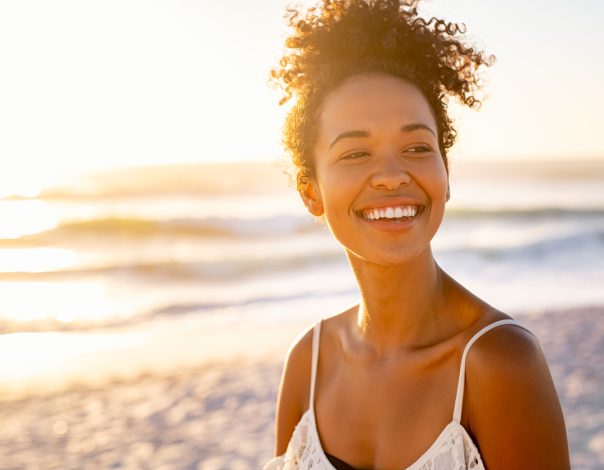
[(369, 134), (396, 142)]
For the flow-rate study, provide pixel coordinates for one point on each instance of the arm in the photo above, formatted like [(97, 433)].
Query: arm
[(293, 390), (513, 408)]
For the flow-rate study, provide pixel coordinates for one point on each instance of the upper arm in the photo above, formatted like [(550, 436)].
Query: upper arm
[(293, 390), (514, 410)]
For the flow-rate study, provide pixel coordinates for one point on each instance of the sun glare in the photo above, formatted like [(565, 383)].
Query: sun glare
[(45, 358), (35, 260), (19, 187), (19, 218), (66, 302)]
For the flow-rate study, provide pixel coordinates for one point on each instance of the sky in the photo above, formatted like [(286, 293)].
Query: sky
[(88, 85)]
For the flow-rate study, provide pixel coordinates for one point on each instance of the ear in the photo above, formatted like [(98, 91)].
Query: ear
[(448, 192), (309, 192)]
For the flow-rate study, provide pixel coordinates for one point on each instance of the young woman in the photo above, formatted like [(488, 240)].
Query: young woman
[(422, 374)]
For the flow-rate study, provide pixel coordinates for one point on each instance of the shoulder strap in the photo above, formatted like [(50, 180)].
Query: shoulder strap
[(462, 369), (315, 360)]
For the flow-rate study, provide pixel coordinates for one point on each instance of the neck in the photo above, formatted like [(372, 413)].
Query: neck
[(401, 305)]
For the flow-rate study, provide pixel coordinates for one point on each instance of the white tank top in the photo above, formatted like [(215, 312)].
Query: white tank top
[(453, 449)]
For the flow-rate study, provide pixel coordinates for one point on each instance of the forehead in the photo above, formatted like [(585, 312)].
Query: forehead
[(373, 101)]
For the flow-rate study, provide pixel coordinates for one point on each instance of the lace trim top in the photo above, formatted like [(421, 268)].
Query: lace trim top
[(453, 449)]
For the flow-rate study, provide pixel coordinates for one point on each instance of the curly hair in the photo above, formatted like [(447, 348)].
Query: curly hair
[(337, 39)]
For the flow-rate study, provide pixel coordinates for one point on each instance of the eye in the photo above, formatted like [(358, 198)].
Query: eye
[(354, 155), (418, 149)]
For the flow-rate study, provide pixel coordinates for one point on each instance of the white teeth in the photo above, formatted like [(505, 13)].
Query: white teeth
[(394, 212)]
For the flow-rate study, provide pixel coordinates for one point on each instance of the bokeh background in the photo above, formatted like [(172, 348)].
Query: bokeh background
[(155, 262)]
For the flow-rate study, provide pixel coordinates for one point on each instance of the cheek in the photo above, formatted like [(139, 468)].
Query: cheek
[(335, 203), (438, 177), (337, 189), (438, 190), (443, 183)]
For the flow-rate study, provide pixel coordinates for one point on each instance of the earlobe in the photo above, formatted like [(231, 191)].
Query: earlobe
[(309, 192)]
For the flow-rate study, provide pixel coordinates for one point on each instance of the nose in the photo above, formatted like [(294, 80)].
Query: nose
[(390, 173)]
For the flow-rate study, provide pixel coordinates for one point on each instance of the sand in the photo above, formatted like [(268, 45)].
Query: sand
[(221, 416)]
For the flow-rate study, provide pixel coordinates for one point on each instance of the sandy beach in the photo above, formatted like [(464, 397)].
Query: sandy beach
[(220, 416)]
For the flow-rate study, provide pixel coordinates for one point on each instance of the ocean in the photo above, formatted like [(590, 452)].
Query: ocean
[(189, 250)]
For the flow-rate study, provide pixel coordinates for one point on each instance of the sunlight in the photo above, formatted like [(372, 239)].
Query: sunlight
[(36, 260), (53, 301), (20, 189), (19, 218), (50, 355), (189, 84), (18, 179)]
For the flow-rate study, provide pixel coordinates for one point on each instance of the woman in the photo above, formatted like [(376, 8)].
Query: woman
[(421, 374)]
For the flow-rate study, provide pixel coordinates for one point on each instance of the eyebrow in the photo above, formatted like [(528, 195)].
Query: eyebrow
[(360, 133)]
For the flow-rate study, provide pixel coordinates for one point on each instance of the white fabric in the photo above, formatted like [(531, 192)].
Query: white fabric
[(453, 449)]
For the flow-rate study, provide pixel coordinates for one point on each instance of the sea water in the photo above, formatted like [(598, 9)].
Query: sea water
[(189, 250)]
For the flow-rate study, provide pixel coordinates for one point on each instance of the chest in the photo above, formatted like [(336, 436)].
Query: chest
[(383, 414)]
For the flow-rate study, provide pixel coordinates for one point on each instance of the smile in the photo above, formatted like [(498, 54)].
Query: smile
[(392, 212)]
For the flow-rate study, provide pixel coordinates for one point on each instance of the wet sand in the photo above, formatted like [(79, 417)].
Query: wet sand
[(221, 416)]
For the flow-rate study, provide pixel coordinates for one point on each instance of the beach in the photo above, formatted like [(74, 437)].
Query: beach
[(221, 415), (157, 260)]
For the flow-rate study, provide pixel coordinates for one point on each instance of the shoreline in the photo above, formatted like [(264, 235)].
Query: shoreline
[(98, 359), (221, 414)]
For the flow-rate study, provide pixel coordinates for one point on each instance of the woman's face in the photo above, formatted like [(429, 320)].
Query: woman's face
[(380, 180)]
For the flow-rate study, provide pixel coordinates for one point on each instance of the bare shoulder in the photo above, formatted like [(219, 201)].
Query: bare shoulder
[(293, 389), (513, 409), (505, 349), (297, 367)]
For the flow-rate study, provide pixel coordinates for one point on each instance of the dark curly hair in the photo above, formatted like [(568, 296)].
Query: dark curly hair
[(339, 38)]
